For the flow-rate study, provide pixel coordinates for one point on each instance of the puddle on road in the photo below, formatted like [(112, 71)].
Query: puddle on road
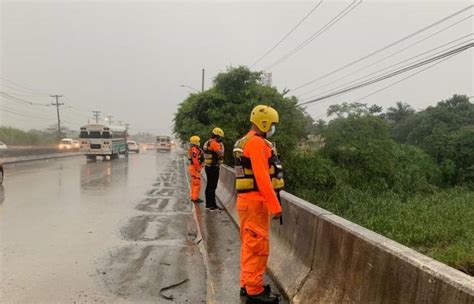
[(161, 192), (160, 227), (164, 204)]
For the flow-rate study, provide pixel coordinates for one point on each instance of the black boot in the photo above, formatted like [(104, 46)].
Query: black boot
[(243, 291), (266, 297)]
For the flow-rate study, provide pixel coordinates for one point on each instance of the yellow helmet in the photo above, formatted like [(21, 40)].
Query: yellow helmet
[(218, 132), (195, 140), (263, 117)]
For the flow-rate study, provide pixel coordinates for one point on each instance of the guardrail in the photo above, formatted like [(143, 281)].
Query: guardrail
[(318, 257)]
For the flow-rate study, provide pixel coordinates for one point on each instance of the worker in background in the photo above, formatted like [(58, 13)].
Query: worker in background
[(213, 158), (195, 167), (256, 202)]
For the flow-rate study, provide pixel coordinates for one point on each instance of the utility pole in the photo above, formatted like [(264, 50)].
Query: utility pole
[(109, 119), (120, 123), (202, 82), (96, 115), (57, 104)]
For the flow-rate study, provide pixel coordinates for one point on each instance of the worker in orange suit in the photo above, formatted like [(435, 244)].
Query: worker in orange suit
[(213, 158), (195, 167), (257, 202)]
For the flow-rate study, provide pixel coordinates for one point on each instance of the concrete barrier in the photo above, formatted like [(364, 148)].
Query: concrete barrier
[(30, 154), (226, 191), (318, 257)]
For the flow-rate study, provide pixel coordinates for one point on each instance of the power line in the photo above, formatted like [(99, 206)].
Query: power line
[(21, 90), (76, 123), (73, 116), (24, 94), (403, 61), (396, 82), (77, 107), (24, 87), (315, 35), (75, 112), (405, 78), (392, 74), (24, 115), (20, 100), (388, 56), (28, 110), (288, 34), (384, 48)]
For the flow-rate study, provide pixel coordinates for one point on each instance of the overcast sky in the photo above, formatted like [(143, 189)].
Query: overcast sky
[(128, 59)]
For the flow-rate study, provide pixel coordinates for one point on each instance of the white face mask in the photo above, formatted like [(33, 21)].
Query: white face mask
[(271, 132)]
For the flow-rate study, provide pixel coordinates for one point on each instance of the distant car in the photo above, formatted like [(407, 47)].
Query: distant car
[(1, 174), (76, 144), (150, 146), (3, 146), (66, 143), (133, 146)]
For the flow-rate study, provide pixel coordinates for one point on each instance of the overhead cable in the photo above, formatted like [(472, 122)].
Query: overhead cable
[(404, 61), (23, 87), (386, 57), (315, 35), (287, 34), (395, 73), (384, 48), (21, 100), (405, 78)]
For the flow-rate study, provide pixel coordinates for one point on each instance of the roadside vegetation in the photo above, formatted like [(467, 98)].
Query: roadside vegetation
[(407, 175), (17, 137)]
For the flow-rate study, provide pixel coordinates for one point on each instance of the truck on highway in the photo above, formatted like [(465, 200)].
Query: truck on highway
[(103, 140), (163, 143)]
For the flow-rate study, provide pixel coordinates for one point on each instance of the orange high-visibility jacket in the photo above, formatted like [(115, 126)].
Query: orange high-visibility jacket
[(259, 154), (213, 152), (194, 155)]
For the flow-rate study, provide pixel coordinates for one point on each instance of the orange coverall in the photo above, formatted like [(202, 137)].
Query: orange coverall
[(194, 168), (254, 209)]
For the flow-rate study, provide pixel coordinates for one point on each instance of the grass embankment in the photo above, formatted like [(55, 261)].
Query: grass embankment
[(440, 225)]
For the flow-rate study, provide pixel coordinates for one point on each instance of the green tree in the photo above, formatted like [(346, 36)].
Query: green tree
[(400, 112), (445, 132), (353, 109), (362, 146), (227, 104)]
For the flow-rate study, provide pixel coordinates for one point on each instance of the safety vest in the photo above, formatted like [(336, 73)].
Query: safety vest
[(244, 176), (199, 154), (211, 158)]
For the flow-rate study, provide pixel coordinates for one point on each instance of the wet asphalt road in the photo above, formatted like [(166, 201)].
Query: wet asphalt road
[(117, 231)]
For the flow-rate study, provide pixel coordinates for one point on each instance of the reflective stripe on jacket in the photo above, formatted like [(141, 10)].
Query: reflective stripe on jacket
[(212, 157)]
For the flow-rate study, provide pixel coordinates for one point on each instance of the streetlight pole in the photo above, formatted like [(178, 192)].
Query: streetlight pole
[(202, 82)]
